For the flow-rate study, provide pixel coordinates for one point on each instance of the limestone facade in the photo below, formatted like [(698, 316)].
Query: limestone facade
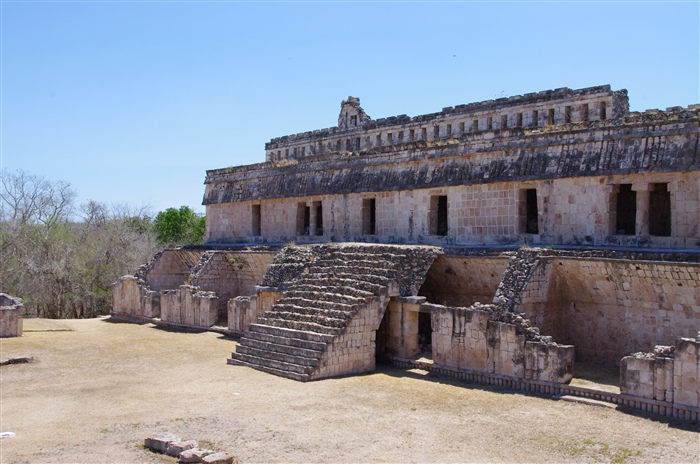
[(625, 179)]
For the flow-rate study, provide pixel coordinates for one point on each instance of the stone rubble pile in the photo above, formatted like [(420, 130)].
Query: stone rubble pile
[(187, 451)]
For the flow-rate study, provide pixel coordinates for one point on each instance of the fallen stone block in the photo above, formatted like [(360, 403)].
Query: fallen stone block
[(161, 441), (194, 455), (177, 447), (23, 360), (220, 458)]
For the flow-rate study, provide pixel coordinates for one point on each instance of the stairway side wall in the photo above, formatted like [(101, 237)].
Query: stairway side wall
[(354, 351)]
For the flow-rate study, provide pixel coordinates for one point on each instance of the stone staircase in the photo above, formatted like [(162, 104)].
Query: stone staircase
[(336, 287)]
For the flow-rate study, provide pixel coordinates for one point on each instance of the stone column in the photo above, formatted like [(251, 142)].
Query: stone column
[(642, 218), (312, 218)]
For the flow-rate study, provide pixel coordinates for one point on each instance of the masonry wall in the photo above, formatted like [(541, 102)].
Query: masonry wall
[(230, 274), (462, 281), (672, 378), (467, 338), (189, 306), (574, 211), (354, 351), (172, 269), (131, 298), (610, 308)]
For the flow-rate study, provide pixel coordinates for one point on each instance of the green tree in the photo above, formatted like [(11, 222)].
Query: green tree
[(179, 226)]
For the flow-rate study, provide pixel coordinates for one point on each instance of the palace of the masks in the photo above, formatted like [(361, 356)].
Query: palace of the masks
[(499, 242)]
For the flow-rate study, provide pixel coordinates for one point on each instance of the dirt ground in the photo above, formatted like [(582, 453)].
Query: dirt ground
[(97, 390)]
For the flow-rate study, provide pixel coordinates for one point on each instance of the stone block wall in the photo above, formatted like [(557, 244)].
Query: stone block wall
[(467, 338), (131, 297), (171, 269), (354, 351), (461, 281), (609, 308), (11, 310), (686, 372), (245, 310), (647, 377), (189, 306), (669, 374)]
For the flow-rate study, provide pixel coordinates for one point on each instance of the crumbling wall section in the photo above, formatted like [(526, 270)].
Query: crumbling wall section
[(131, 297), (189, 306), (171, 268), (470, 338), (11, 321), (669, 375)]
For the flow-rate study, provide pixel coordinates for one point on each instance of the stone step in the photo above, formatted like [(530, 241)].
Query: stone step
[(277, 356), (340, 283), (363, 263), (269, 370), (267, 362), (290, 332), (300, 326), (351, 270), (342, 290), (281, 346), (329, 294), (312, 311), (286, 340), (329, 280), (316, 319), (320, 304)]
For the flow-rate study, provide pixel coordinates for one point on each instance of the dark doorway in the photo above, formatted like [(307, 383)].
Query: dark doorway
[(256, 220), (369, 216), (660, 211), (425, 333), (626, 210), (303, 219), (438, 215), (531, 222), (319, 219)]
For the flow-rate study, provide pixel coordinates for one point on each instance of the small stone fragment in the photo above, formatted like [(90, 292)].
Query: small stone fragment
[(161, 441), (177, 447), (194, 455), (220, 458)]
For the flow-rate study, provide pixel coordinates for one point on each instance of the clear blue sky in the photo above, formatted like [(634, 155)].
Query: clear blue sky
[(133, 101)]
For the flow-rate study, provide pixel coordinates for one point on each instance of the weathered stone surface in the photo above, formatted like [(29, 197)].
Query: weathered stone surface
[(220, 458), (194, 455), (11, 312), (177, 447), (160, 442)]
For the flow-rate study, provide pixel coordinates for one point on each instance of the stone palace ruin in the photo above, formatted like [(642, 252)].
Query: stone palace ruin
[(500, 242)]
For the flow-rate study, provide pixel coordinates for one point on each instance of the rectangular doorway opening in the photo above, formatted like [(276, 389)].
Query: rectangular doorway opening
[(438, 215), (660, 211), (369, 216), (319, 218), (425, 334), (256, 221), (626, 210), (529, 216), (303, 219)]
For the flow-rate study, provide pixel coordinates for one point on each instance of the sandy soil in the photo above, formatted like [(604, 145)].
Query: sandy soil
[(95, 392)]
